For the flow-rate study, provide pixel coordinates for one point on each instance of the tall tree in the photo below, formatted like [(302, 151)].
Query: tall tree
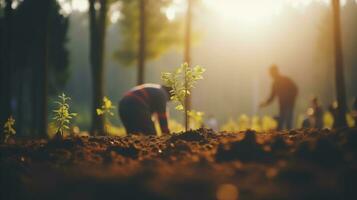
[(142, 41), (146, 33), (43, 69), (97, 17), (339, 71), (5, 61)]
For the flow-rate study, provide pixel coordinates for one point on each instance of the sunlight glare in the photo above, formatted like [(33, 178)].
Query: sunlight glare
[(115, 12), (170, 13), (115, 16), (255, 12), (248, 12), (80, 5), (66, 8), (14, 4), (176, 7)]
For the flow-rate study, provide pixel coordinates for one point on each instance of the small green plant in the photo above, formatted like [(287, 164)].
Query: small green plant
[(182, 81), (105, 110), (9, 128), (62, 115)]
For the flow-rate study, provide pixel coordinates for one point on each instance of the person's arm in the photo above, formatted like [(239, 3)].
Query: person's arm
[(271, 97), (163, 123), (162, 114)]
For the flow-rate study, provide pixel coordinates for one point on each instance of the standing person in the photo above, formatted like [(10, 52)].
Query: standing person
[(286, 90), (140, 103)]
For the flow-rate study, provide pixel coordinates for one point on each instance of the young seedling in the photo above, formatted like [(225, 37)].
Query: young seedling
[(9, 128), (106, 108), (182, 81), (62, 115)]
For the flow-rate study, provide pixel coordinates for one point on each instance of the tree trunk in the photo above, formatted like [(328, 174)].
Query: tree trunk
[(34, 101), (339, 72), (20, 102), (97, 47), (142, 42), (187, 57), (43, 72), (6, 75)]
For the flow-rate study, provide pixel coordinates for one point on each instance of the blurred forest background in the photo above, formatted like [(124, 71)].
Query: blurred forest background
[(235, 51)]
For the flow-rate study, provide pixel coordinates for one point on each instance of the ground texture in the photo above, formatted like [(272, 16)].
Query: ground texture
[(202, 164)]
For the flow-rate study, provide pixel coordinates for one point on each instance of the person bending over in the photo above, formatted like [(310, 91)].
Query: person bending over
[(140, 103)]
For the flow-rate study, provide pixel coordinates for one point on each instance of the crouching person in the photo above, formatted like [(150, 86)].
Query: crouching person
[(140, 103)]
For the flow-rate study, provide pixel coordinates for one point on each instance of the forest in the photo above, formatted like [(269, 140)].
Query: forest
[(178, 99)]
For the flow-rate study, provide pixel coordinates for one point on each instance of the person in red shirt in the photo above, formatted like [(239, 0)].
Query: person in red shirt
[(140, 103), (286, 90)]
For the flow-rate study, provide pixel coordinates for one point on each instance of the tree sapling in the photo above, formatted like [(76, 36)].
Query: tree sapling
[(62, 115), (182, 81), (9, 129), (106, 109)]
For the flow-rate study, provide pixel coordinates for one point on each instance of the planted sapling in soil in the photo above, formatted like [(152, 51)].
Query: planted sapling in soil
[(106, 109), (182, 81), (62, 115), (9, 129)]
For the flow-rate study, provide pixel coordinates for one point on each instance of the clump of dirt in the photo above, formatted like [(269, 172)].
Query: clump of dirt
[(129, 151), (200, 135), (245, 150)]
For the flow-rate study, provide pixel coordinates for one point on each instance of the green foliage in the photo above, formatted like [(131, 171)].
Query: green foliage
[(9, 128), (350, 121), (328, 120), (230, 126), (175, 127), (245, 122), (182, 81), (196, 118), (106, 108), (161, 34), (62, 114)]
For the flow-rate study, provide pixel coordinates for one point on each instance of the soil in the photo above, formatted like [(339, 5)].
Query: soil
[(298, 164)]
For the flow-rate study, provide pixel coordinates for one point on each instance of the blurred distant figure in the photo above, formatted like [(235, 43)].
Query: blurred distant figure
[(286, 91), (140, 103), (212, 123), (314, 115), (354, 111)]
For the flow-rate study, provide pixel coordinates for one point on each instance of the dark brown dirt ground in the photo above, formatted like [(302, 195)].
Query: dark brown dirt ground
[(297, 164)]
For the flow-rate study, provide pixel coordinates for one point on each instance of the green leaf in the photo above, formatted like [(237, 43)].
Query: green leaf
[(179, 107)]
